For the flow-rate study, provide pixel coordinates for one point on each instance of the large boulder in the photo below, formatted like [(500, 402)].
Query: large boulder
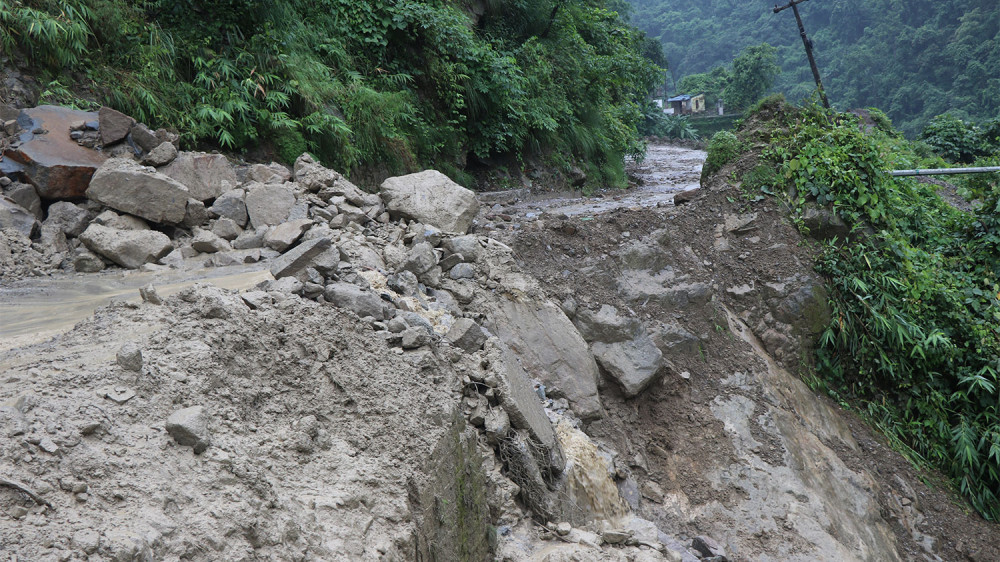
[(551, 349), (268, 204), (54, 163), (206, 176), (431, 198), (124, 185), (127, 248)]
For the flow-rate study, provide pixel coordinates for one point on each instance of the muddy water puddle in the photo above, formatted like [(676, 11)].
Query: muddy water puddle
[(32, 310)]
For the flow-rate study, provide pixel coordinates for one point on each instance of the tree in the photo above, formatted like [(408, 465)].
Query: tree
[(712, 84), (753, 74)]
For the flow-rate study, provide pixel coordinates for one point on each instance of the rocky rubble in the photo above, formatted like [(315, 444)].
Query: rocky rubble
[(397, 275)]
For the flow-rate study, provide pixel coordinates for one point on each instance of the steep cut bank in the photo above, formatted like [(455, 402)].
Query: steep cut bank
[(730, 443)]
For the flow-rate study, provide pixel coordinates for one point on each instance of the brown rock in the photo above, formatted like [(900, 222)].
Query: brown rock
[(55, 164)]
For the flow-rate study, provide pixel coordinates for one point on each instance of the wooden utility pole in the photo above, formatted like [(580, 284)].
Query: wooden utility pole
[(793, 4)]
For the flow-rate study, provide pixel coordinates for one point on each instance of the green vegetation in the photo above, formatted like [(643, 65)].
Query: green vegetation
[(392, 86), (749, 77), (914, 341), (723, 148), (658, 124), (913, 59)]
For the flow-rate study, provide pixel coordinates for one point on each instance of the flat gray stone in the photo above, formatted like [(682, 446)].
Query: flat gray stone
[(286, 234), (296, 260)]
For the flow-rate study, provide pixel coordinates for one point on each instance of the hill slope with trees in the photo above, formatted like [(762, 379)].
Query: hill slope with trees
[(913, 59), (392, 85)]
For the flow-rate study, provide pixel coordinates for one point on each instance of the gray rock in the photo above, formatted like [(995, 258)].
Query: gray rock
[(295, 261), (466, 335), (114, 125), (112, 219), (226, 229), (518, 398), (824, 224), (415, 337), (463, 271), (148, 140), (124, 185), (130, 357), (268, 205), (606, 325), (497, 424), (85, 261), (432, 198), (403, 283), (206, 176), (634, 364), (24, 194), (707, 547), (250, 239), (162, 155), (288, 285), (351, 297), (231, 206), (190, 427), (419, 259), (195, 214), (256, 299), (144, 137), (18, 218), (551, 349), (150, 295), (87, 540), (450, 261), (675, 339), (286, 234), (127, 248), (53, 240), (361, 255), (68, 217), (269, 173), (208, 242), (468, 246)]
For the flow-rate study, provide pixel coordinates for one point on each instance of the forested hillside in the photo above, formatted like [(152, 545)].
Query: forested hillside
[(392, 85), (913, 59)]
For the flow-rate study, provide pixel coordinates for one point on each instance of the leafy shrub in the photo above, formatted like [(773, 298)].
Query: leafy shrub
[(658, 124), (722, 149), (953, 138), (915, 339)]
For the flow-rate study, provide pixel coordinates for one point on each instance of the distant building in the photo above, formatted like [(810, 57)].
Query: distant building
[(686, 105)]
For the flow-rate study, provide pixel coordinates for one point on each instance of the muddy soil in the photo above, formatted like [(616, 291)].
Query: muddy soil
[(669, 434)]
